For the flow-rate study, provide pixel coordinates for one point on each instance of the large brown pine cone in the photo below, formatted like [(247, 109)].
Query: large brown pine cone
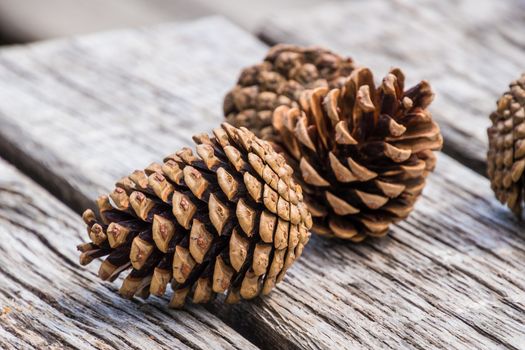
[(230, 219), (280, 79), (361, 153), (506, 155)]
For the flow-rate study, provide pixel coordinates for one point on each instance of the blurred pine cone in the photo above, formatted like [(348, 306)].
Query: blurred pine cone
[(506, 155), (230, 219), (286, 71), (361, 153)]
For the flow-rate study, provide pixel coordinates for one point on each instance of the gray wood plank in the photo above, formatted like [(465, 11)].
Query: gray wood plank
[(469, 50), (47, 301), (449, 277), (129, 95), (84, 112)]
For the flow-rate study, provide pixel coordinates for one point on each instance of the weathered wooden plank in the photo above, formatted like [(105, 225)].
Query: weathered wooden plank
[(48, 301), (448, 277), (451, 276), (469, 50), (130, 95)]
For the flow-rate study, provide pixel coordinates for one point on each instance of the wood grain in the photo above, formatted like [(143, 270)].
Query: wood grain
[(84, 112), (48, 302), (449, 277), (77, 114), (468, 50)]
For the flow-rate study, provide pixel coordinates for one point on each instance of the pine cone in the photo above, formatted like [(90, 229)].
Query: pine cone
[(361, 153), (506, 155), (230, 219), (286, 71)]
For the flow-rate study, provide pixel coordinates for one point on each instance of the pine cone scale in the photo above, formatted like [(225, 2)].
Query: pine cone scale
[(506, 155), (197, 221), (378, 163), (361, 151)]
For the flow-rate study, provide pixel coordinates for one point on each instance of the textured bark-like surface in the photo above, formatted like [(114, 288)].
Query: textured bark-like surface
[(469, 50), (450, 276), (47, 303), (104, 105)]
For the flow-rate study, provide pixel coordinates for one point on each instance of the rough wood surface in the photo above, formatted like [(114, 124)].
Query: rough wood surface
[(449, 277), (101, 105), (47, 302), (469, 50)]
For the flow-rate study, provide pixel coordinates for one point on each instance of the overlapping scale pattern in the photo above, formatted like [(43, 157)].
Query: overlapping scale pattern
[(361, 152), (228, 219), (280, 79), (506, 155)]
